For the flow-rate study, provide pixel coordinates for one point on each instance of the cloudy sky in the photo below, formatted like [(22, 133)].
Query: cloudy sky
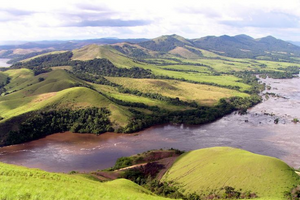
[(31, 20)]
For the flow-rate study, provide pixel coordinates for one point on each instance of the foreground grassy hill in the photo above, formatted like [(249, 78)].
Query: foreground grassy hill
[(208, 170), (23, 183), (202, 172)]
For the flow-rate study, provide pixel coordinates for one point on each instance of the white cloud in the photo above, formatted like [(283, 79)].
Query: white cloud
[(78, 19)]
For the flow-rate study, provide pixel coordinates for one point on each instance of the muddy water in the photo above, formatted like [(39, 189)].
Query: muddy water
[(255, 132)]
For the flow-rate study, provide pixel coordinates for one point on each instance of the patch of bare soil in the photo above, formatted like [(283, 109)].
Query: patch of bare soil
[(160, 158), (105, 176), (167, 163)]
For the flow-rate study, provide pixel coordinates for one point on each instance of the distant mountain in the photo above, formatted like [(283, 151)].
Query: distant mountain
[(239, 46), (29, 49), (166, 43), (243, 46), (68, 45), (297, 43)]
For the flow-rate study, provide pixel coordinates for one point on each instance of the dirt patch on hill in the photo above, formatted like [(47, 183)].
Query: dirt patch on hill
[(162, 158), (44, 97)]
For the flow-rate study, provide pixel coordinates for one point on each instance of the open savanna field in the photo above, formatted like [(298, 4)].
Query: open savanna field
[(202, 94)]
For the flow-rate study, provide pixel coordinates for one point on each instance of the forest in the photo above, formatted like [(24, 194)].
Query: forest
[(89, 120)]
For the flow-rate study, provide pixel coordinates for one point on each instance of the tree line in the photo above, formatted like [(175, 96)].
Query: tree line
[(193, 116), (5, 81), (101, 67), (40, 124)]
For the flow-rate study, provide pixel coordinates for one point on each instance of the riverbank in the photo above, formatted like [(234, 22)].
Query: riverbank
[(255, 132)]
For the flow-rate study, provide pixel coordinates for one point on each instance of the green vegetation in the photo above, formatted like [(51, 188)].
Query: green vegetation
[(202, 94), (243, 46), (146, 157), (165, 80), (213, 173), (4, 80), (294, 194), (210, 169), (89, 120), (127, 87), (131, 108), (23, 183)]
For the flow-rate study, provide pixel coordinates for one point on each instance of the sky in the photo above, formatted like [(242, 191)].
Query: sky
[(32, 20)]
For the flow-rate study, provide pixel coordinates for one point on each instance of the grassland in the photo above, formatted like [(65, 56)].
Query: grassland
[(58, 89), (183, 52), (20, 78), (23, 183), (180, 69), (94, 51), (44, 54), (3, 78), (185, 73), (113, 92), (202, 94), (213, 168), (216, 62)]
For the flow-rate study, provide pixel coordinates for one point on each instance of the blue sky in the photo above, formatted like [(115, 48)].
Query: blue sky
[(77, 19)]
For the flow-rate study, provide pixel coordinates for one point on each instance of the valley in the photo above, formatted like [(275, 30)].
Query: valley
[(81, 108), (255, 132)]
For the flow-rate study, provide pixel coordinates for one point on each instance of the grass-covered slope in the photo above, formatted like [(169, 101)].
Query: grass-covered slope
[(77, 97), (91, 52), (26, 92), (210, 169), (202, 94), (3, 78), (23, 183), (57, 89)]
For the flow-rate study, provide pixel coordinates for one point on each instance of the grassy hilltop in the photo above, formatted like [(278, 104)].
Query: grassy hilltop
[(207, 170)]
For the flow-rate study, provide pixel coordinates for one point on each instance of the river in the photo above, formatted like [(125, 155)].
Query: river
[(255, 132), (3, 63)]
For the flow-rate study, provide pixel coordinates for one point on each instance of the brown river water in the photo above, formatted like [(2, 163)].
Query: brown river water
[(255, 132)]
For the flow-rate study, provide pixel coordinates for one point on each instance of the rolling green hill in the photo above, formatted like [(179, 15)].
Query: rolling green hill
[(93, 51), (210, 169), (243, 46), (23, 183)]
